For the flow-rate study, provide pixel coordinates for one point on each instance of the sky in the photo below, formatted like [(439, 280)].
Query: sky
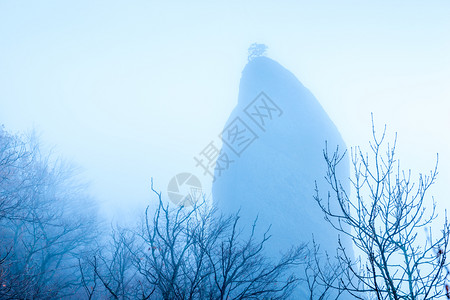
[(129, 90)]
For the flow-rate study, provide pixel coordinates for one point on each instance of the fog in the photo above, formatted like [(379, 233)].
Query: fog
[(130, 92), (133, 91)]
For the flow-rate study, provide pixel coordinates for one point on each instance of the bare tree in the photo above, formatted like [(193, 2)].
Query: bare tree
[(384, 219), (193, 253), (46, 222), (112, 270), (88, 281), (241, 271), (15, 157), (321, 273)]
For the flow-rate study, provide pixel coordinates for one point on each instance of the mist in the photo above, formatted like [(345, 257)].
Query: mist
[(127, 92)]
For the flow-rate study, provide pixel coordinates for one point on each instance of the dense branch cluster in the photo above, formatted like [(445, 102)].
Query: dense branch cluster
[(42, 230), (189, 253), (51, 244), (385, 218)]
